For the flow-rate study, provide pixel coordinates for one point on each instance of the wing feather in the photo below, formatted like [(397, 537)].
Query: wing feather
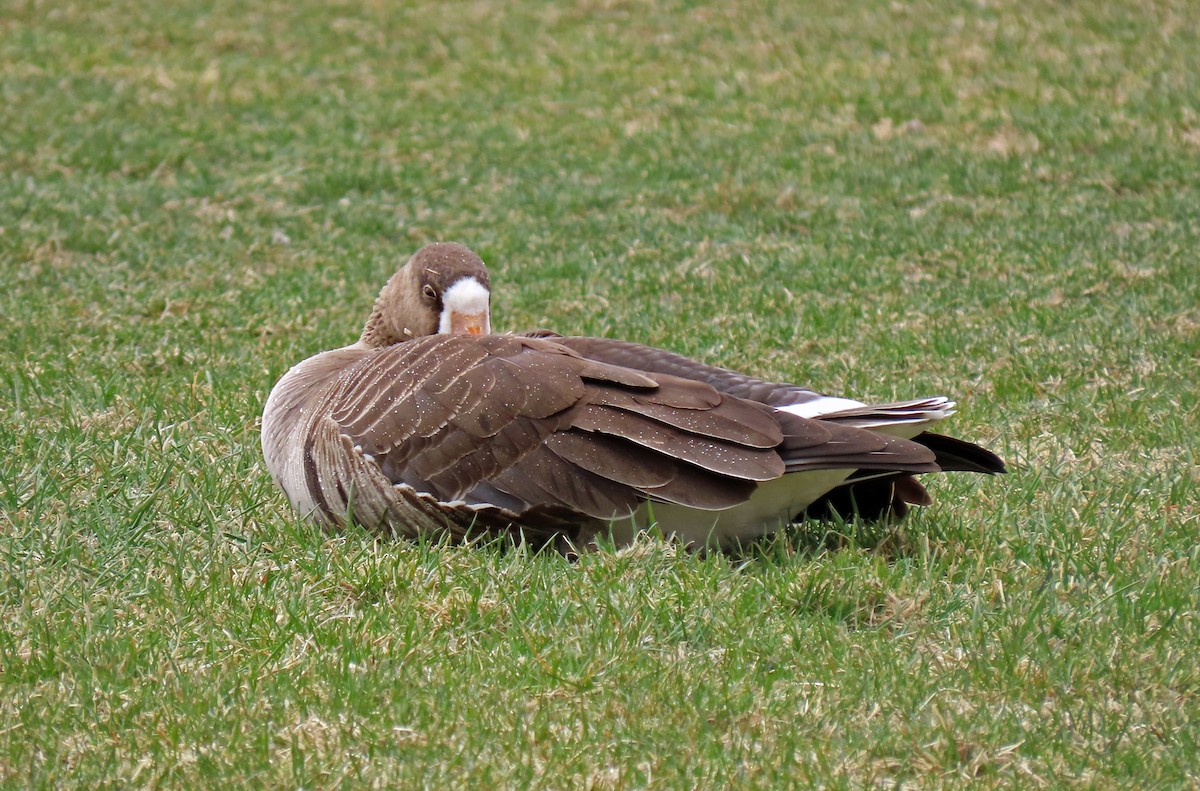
[(546, 479), (738, 421), (613, 458), (727, 458), (454, 419)]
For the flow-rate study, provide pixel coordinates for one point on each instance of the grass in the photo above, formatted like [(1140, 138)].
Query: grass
[(993, 201)]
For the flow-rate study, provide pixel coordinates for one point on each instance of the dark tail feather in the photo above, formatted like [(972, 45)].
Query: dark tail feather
[(956, 455), (876, 498), (871, 500)]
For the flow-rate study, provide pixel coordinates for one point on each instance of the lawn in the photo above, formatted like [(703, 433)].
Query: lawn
[(995, 201)]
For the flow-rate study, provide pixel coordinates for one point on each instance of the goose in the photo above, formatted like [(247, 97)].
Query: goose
[(430, 424)]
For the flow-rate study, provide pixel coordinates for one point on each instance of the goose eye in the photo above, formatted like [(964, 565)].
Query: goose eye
[(429, 292)]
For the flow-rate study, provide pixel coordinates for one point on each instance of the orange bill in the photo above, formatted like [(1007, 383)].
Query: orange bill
[(468, 323)]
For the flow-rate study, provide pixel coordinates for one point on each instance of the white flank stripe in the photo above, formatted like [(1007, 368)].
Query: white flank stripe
[(821, 406), (905, 420)]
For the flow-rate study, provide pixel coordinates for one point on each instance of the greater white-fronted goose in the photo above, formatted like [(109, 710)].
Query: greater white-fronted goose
[(430, 424)]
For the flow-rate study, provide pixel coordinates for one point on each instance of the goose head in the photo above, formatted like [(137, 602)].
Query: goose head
[(444, 289)]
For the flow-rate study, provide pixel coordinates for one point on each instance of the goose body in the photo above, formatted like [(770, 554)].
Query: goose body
[(430, 424)]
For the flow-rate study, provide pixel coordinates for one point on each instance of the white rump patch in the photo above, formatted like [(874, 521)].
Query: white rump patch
[(904, 419), (821, 406), (465, 297)]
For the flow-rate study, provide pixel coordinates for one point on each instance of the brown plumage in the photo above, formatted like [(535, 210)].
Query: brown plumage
[(459, 432)]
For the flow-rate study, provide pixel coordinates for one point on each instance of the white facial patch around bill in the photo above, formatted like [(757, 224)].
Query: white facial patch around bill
[(466, 297)]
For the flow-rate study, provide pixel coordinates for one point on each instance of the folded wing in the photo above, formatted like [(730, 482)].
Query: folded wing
[(530, 425)]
